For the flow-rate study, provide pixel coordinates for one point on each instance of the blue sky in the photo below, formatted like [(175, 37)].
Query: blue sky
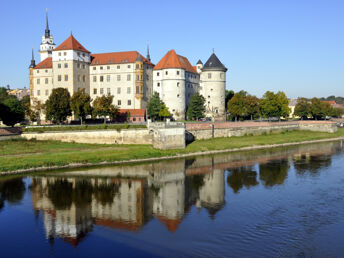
[(296, 46)]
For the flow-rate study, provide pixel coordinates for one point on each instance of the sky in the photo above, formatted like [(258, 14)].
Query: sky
[(295, 46)]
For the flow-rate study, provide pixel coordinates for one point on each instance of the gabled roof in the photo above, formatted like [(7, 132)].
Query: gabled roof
[(172, 60), (45, 64), (71, 44), (117, 58), (214, 63)]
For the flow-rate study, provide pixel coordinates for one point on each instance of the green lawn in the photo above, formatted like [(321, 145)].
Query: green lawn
[(21, 154)]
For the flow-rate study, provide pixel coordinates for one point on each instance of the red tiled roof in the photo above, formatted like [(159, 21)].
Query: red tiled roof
[(331, 102), (172, 60), (117, 58), (128, 226), (171, 224), (71, 44), (133, 112), (46, 63)]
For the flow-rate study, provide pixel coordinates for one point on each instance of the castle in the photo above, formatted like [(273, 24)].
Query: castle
[(129, 76)]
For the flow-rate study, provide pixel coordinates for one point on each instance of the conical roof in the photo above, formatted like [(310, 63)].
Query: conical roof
[(214, 64), (199, 61), (71, 44), (172, 60)]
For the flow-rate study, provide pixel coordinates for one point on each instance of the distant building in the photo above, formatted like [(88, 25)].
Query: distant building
[(19, 93)]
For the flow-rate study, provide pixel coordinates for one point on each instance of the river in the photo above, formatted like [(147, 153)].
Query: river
[(286, 202)]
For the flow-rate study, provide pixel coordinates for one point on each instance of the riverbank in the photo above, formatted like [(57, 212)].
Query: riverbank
[(19, 155)]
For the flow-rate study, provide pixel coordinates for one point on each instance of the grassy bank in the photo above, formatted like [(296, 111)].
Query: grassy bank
[(22, 154), (81, 127)]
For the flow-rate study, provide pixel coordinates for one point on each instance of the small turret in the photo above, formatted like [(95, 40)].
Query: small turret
[(199, 66)]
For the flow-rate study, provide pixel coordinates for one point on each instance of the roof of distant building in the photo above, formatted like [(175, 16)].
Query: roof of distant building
[(172, 60), (331, 102), (214, 63), (117, 58), (71, 44), (45, 64)]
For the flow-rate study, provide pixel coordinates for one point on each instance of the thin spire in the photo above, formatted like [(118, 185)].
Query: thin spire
[(33, 62), (148, 55), (47, 31)]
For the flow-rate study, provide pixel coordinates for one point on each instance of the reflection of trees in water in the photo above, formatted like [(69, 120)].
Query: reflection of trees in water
[(242, 176), (105, 193), (62, 193), (274, 172), (311, 164), (11, 191), (196, 181)]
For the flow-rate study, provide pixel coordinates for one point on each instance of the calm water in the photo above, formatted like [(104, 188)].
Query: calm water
[(286, 202)]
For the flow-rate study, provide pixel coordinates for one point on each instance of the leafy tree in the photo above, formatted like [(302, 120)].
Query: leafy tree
[(3, 94), (154, 107), (252, 106), (302, 108), (275, 105), (164, 112), (236, 106), (196, 107), (319, 109), (81, 105), (103, 107), (36, 109), (58, 105), (12, 111), (229, 95), (25, 102)]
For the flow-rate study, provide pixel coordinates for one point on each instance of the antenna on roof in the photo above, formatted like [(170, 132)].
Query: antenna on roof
[(213, 50)]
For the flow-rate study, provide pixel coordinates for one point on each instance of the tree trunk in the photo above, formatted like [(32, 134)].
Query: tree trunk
[(80, 120)]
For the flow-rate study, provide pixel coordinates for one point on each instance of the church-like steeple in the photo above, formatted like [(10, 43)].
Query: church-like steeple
[(148, 55), (47, 31), (33, 62)]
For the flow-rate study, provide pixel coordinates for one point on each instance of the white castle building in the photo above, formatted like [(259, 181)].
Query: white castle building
[(130, 77)]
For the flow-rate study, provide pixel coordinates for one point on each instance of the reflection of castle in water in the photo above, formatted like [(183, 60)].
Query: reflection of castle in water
[(127, 198)]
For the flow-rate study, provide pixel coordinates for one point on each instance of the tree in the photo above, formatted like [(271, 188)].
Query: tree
[(103, 107), (236, 106), (229, 96), (302, 108), (12, 111), (164, 112), (318, 109), (275, 105), (3, 94), (154, 107), (196, 107), (252, 106), (58, 105), (25, 102), (81, 105), (36, 109)]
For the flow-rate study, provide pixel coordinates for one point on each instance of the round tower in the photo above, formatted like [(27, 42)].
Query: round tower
[(213, 88)]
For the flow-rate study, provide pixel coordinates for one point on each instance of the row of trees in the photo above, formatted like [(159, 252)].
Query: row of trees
[(12, 110), (245, 106), (316, 108)]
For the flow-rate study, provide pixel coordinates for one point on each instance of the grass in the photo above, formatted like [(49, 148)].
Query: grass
[(21, 154), (81, 127)]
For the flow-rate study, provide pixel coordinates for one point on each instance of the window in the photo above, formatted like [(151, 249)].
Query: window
[(94, 78), (46, 92), (141, 77), (137, 89), (137, 77), (158, 84), (128, 90), (66, 77), (59, 53), (119, 102), (177, 72), (37, 71), (59, 65), (118, 77), (128, 77), (83, 54), (83, 78), (166, 72), (157, 74), (108, 78), (78, 65), (221, 75), (178, 96), (30, 72), (118, 90), (79, 78), (101, 91), (147, 76), (94, 68), (46, 71), (101, 68), (38, 93), (101, 79), (209, 75), (46, 80), (118, 67), (177, 84), (83, 66), (78, 53), (128, 66), (38, 81), (137, 66), (129, 102), (95, 91), (65, 65), (59, 78), (108, 91)]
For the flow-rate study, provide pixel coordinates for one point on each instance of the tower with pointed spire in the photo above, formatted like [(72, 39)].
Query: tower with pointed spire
[(31, 67), (47, 44), (148, 55)]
